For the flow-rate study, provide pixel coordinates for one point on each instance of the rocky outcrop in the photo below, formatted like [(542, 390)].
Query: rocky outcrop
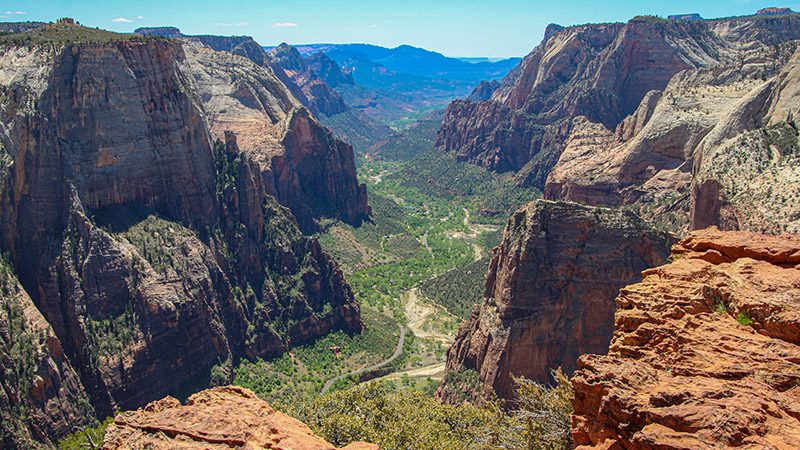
[(706, 351), (327, 69), (41, 396), (218, 418), (321, 98), (775, 12), (600, 72), (746, 169), (484, 91), (710, 149), (137, 225), (301, 163), (714, 148), (550, 291)]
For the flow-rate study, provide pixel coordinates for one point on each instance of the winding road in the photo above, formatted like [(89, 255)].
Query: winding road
[(395, 355)]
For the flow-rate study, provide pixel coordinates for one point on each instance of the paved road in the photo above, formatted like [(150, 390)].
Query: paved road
[(395, 355)]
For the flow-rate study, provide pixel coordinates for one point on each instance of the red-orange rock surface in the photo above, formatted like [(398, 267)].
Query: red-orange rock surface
[(706, 352), (219, 418)]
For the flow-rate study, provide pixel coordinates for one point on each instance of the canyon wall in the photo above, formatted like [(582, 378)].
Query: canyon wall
[(550, 291), (601, 75), (154, 192)]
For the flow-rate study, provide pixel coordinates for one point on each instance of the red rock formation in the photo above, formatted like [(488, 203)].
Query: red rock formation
[(706, 351), (550, 291), (219, 418)]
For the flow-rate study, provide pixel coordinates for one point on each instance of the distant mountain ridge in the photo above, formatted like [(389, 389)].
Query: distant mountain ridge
[(402, 84), (410, 60)]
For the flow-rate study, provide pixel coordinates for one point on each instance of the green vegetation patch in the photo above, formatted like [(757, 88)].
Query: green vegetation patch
[(67, 33), (744, 318), (458, 290), (403, 418), (298, 376), (88, 437)]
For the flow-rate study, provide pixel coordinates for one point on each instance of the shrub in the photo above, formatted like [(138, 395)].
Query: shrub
[(744, 319)]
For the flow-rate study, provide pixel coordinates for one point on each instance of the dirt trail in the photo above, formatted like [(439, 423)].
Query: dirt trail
[(432, 371), (421, 317)]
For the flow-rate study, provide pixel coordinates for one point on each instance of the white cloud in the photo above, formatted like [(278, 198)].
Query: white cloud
[(284, 25), (3, 17), (16, 12), (140, 17), (121, 20), (229, 24)]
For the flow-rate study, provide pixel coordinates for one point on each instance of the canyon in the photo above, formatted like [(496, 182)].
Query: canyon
[(596, 249)]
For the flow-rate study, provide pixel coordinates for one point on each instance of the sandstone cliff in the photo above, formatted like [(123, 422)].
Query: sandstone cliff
[(219, 418), (550, 291), (716, 147), (301, 163), (705, 354), (137, 225), (600, 72)]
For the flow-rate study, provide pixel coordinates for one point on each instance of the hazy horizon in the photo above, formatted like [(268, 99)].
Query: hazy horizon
[(465, 29)]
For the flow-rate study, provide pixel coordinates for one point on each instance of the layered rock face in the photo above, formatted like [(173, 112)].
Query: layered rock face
[(484, 91), (37, 380), (219, 418), (600, 72), (714, 148), (307, 80), (706, 351), (322, 98), (301, 163), (550, 291), (153, 251)]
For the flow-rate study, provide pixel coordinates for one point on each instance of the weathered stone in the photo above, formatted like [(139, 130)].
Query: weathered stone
[(706, 351), (218, 418)]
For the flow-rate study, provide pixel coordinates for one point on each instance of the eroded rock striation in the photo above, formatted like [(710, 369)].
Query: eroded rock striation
[(716, 147), (156, 243), (601, 74), (550, 291), (41, 395), (219, 418), (705, 354)]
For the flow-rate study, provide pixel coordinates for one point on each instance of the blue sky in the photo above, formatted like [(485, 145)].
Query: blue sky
[(455, 28)]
